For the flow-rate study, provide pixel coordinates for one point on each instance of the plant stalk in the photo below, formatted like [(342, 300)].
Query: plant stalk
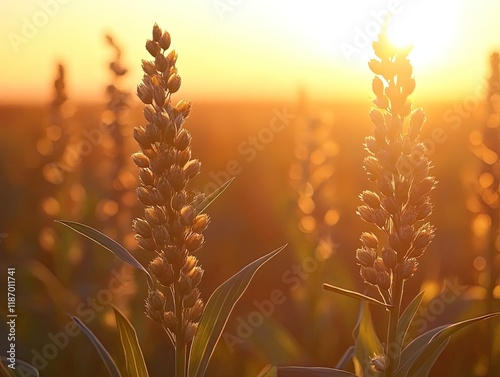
[(392, 359)]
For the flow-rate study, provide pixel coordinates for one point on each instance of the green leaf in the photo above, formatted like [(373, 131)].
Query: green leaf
[(404, 324), (103, 353), (356, 295), (210, 198), (424, 369), (412, 350), (308, 372), (269, 371), (348, 355), (276, 342), (3, 369), (439, 338), (107, 243), (216, 314), (22, 369), (134, 360), (367, 343), (63, 298)]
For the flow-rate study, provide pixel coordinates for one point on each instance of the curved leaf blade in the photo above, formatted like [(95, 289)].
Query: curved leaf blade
[(22, 369), (304, 372), (412, 350), (367, 343), (107, 243), (103, 353), (269, 371), (216, 314), (424, 369), (309, 372), (4, 372), (134, 359), (356, 295), (439, 338), (348, 355), (210, 198), (404, 324)]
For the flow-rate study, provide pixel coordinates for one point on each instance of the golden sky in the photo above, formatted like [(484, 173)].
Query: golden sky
[(246, 49)]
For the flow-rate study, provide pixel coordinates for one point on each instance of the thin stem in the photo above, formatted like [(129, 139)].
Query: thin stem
[(397, 293)]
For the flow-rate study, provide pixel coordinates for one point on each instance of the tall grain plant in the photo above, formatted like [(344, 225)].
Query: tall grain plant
[(485, 142), (116, 207), (398, 206), (170, 232)]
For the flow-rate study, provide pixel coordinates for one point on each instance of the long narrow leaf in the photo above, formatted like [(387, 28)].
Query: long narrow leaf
[(269, 371), (4, 372), (434, 344), (22, 368), (107, 243), (367, 343), (134, 360), (305, 372), (216, 314), (348, 354), (312, 372), (412, 350), (209, 199), (424, 369), (404, 324), (356, 295), (103, 353)]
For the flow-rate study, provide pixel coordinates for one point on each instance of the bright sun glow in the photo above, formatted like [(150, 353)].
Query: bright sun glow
[(267, 48), (431, 27)]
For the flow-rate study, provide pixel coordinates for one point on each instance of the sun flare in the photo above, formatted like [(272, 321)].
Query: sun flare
[(432, 28)]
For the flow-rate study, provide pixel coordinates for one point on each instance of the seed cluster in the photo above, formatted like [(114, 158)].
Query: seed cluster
[(398, 165), (171, 227)]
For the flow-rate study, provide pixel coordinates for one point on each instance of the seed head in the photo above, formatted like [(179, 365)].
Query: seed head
[(366, 257), (191, 329), (194, 242), (156, 33), (165, 41), (200, 223), (371, 199), (174, 83), (370, 240), (383, 280), (408, 268), (390, 258), (369, 274), (170, 321)]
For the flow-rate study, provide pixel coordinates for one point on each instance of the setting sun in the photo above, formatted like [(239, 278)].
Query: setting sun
[(252, 49), (283, 188), (433, 28)]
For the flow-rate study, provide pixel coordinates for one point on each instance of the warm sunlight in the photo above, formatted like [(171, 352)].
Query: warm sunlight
[(248, 188), (257, 49), (433, 28)]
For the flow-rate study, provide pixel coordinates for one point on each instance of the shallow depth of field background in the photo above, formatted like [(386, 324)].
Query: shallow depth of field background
[(258, 75)]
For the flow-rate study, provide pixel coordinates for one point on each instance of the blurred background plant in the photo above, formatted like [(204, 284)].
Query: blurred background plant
[(484, 204), (23, 187)]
